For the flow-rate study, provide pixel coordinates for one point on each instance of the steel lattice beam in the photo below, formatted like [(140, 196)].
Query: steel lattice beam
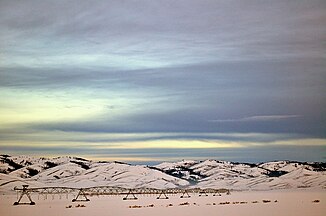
[(130, 193)]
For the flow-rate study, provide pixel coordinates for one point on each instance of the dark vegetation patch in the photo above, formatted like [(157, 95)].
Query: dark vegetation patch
[(11, 163), (103, 162), (275, 173), (318, 166), (251, 165), (81, 159), (135, 206), (178, 172), (5, 156), (27, 163), (81, 164), (80, 206), (224, 203), (32, 172), (119, 162), (184, 204), (313, 166), (49, 164)]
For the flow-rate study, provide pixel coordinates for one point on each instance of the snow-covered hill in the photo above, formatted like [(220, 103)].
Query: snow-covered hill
[(78, 172), (271, 175)]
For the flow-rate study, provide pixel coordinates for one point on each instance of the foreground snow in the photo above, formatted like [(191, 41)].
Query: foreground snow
[(277, 202)]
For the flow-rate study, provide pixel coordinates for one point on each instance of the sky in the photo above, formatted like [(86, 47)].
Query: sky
[(148, 81)]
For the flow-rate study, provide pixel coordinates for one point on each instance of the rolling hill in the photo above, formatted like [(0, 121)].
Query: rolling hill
[(78, 172)]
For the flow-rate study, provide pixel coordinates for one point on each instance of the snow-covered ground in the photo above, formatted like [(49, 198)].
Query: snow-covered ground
[(299, 202)]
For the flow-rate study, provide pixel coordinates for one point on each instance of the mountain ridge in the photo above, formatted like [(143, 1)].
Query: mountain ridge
[(79, 172)]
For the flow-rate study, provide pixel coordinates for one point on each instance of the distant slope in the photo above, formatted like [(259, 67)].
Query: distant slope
[(271, 175), (78, 172)]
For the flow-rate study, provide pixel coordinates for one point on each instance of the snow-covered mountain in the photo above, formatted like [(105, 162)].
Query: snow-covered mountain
[(271, 175), (78, 172)]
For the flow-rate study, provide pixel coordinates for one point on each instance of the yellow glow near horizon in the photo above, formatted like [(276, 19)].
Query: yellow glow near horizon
[(41, 106), (29, 107), (19, 107), (179, 144), (129, 145), (138, 141)]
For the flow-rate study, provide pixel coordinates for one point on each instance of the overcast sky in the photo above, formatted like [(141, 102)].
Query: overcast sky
[(162, 74)]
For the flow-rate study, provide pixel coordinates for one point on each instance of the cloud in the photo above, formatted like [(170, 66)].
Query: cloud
[(137, 67), (155, 156), (258, 118), (159, 34)]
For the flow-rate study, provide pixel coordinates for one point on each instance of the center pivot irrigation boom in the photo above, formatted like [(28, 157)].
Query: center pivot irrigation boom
[(128, 193)]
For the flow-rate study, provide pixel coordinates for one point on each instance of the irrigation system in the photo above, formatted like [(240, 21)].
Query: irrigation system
[(83, 194)]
